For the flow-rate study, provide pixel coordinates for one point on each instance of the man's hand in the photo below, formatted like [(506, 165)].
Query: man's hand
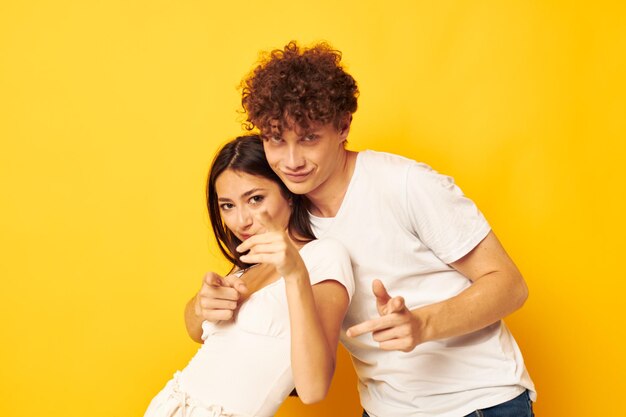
[(397, 328), (218, 297)]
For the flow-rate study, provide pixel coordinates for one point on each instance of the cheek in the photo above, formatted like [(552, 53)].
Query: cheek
[(227, 219), (272, 156)]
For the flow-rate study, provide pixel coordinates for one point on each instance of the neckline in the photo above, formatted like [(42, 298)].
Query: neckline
[(355, 174), (328, 195), (271, 284)]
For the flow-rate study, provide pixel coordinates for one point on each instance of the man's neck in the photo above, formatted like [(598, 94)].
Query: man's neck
[(326, 200)]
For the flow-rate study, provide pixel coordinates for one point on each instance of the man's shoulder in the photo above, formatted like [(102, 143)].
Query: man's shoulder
[(372, 156), (381, 163)]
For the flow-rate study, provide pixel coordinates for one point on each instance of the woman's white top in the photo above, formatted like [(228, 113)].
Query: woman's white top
[(244, 366)]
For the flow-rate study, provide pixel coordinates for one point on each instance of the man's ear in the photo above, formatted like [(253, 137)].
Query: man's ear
[(344, 125)]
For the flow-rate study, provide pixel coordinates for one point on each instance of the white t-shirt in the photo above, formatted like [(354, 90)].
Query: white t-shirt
[(244, 366), (403, 223)]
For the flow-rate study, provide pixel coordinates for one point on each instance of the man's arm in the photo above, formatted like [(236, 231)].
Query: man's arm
[(193, 321), (497, 290)]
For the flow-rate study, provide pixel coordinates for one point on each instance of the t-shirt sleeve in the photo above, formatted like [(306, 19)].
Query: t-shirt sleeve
[(446, 221), (328, 259)]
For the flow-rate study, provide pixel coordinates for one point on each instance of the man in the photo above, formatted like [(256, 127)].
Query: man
[(437, 347)]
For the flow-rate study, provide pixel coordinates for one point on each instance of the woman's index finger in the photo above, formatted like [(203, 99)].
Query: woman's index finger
[(265, 220)]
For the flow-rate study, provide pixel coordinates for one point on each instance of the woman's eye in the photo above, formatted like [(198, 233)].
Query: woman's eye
[(257, 199), (226, 206)]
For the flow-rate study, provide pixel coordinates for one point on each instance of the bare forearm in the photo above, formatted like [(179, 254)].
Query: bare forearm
[(312, 358), (487, 300)]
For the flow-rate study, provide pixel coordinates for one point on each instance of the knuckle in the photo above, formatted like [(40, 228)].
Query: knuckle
[(210, 316)]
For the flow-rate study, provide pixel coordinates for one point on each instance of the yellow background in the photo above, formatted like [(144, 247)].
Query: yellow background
[(110, 112)]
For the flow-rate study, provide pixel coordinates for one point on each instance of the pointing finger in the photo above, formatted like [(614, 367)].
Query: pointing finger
[(265, 220), (372, 325)]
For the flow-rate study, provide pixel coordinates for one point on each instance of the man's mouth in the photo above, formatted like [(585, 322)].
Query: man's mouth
[(297, 177)]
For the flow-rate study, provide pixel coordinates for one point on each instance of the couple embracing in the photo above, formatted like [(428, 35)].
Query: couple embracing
[(372, 249)]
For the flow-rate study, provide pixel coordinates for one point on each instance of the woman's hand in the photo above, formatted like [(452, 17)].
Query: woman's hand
[(272, 247), (315, 312)]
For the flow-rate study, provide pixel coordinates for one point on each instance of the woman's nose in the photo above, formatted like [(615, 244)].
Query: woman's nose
[(244, 218)]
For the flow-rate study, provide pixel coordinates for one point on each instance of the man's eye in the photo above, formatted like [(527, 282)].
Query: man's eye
[(311, 137), (275, 139)]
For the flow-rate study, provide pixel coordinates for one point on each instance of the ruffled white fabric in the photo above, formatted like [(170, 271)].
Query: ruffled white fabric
[(172, 401)]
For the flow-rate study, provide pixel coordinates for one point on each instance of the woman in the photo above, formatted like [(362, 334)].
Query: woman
[(286, 328)]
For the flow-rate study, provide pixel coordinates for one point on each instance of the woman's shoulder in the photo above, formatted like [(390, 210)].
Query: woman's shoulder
[(327, 258)]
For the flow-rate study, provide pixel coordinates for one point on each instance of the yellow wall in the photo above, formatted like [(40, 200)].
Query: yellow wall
[(110, 113)]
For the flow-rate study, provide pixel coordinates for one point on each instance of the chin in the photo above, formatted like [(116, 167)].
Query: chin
[(299, 187)]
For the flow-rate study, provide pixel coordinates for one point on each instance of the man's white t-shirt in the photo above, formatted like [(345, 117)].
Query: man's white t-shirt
[(403, 223)]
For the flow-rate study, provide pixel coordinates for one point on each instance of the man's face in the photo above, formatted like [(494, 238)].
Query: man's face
[(305, 159)]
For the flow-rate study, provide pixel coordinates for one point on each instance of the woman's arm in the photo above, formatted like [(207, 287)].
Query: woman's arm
[(315, 312), (315, 316)]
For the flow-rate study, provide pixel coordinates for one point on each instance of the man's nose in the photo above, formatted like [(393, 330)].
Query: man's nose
[(295, 158)]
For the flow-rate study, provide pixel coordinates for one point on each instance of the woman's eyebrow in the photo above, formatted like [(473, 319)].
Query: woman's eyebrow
[(252, 191), (246, 194)]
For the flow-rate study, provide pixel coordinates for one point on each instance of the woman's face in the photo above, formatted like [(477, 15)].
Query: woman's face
[(240, 195)]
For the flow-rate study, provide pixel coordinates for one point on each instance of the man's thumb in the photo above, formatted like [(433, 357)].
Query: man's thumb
[(380, 292), (236, 283), (212, 279)]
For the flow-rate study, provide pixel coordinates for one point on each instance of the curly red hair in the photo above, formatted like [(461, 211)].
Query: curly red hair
[(298, 85)]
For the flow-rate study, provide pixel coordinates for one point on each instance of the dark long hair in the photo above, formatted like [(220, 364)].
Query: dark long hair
[(246, 154)]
